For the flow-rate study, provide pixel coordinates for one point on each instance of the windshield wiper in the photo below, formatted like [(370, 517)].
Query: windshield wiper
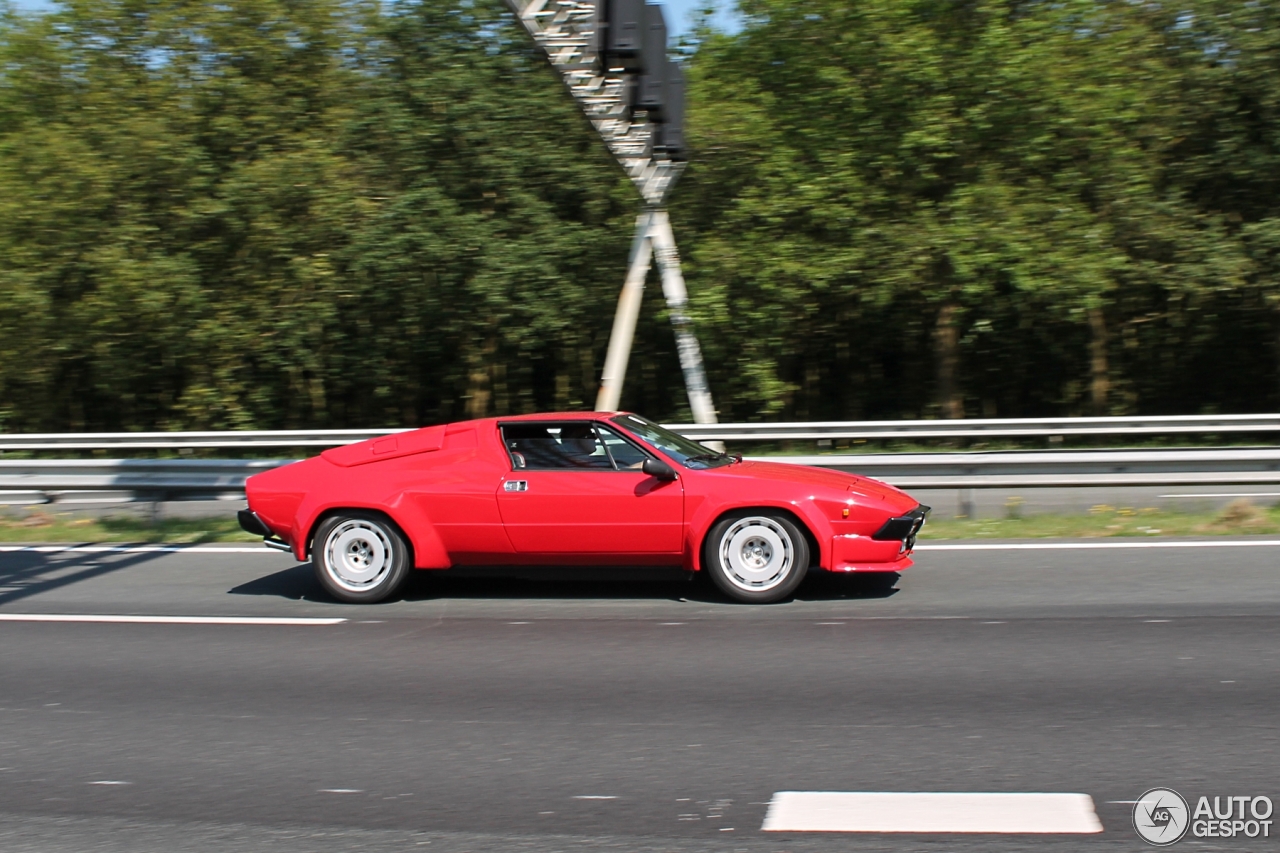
[(711, 457)]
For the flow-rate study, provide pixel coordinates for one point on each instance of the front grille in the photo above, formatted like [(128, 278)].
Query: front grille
[(904, 527)]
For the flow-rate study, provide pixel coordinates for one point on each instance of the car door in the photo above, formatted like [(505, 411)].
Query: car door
[(568, 494)]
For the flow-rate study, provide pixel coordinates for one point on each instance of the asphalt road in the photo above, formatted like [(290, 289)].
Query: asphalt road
[(650, 715)]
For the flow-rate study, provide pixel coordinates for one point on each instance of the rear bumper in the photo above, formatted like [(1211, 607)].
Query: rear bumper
[(250, 523)]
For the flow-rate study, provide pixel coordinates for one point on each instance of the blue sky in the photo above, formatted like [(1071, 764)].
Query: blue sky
[(678, 12)]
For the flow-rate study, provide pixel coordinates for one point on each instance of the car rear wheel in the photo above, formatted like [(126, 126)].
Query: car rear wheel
[(756, 558), (360, 558)]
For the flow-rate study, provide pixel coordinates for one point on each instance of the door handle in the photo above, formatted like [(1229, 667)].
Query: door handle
[(515, 486)]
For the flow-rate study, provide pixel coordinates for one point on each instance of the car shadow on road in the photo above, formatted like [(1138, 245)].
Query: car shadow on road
[(546, 583)]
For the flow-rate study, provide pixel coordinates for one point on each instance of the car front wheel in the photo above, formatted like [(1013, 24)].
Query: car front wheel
[(360, 558), (756, 558)]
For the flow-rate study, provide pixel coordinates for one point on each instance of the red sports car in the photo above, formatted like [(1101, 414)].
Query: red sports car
[(584, 489)]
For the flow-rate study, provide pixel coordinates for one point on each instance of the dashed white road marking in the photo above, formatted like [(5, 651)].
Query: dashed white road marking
[(865, 811), (340, 791), (594, 797), (110, 782), (169, 620), (131, 549), (1087, 546)]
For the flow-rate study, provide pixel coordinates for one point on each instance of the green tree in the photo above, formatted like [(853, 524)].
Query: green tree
[(961, 201)]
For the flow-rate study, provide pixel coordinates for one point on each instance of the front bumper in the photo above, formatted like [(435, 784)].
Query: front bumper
[(904, 528), (886, 550)]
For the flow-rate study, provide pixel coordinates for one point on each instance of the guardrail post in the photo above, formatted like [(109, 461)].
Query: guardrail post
[(157, 510)]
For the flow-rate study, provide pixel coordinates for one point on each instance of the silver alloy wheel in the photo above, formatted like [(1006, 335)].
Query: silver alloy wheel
[(358, 555), (756, 554)]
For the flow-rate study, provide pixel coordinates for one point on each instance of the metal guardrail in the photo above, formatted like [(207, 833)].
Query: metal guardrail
[(976, 428), (241, 439), (986, 428), (1007, 469), (165, 479), (147, 479)]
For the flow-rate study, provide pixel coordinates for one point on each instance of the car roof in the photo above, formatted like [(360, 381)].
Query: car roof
[(560, 416), (482, 423)]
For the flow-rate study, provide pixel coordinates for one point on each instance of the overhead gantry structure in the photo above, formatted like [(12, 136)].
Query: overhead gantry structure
[(612, 56)]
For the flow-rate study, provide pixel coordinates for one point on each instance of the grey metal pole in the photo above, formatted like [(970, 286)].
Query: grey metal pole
[(568, 31), (624, 319), (695, 377)]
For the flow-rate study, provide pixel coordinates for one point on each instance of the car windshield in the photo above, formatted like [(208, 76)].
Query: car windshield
[(685, 451)]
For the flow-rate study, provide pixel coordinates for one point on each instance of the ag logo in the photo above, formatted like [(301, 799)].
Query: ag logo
[(1161, 816)]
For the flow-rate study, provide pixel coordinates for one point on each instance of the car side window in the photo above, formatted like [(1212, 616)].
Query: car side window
[(625, 454), (563, 446)]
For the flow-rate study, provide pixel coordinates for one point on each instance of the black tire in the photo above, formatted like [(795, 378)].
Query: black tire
[(756, 557), (360, 557)]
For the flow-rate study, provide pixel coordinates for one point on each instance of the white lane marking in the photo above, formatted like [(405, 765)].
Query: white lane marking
[(1081, 546), (594, 797), (130, 549), (340, 791), (110, 782), (864, 811), (1228, 495), (169, 620)]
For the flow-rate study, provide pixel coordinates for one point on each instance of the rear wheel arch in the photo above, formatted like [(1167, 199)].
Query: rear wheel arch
[(327, 514), (360, 556)]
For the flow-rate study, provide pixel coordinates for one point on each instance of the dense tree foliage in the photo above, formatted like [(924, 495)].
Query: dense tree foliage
[(995, 207), (285, 214), (272, 213)]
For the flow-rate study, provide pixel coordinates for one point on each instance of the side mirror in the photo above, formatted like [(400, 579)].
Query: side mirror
[(658, 468)]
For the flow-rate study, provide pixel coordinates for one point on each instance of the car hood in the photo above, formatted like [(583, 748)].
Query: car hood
[(825, 478)]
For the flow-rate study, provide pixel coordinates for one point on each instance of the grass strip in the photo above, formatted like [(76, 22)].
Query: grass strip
[(43, 526), (1237, 519)]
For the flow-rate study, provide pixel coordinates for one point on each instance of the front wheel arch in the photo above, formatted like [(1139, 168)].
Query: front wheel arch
[(756, 557), (815, 554)]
